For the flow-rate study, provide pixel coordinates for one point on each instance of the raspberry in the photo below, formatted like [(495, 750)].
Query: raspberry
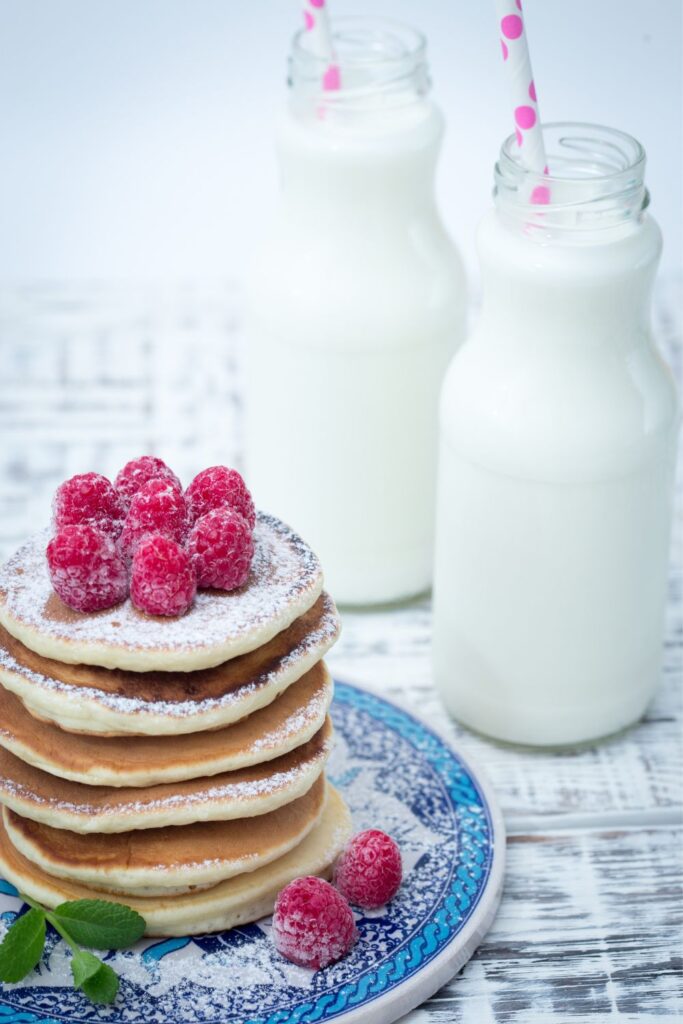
[(222, 547), (312, 923), (163, 580), (368, 871), (216, 487), (86, 569), (90, 499), (137, 472), (158, 507)]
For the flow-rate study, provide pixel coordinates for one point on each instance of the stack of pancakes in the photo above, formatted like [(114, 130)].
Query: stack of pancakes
[(175, 765)]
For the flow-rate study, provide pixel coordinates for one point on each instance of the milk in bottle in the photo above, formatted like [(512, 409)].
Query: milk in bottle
[(356, 304), (558, 431)]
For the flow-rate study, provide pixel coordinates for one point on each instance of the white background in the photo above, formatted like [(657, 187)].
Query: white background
[(136, 135)]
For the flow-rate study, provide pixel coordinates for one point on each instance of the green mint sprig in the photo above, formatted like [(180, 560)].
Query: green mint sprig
[(95, 923)]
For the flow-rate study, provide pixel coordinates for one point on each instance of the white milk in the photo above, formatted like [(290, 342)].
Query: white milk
[(356, 305), (558, 429)]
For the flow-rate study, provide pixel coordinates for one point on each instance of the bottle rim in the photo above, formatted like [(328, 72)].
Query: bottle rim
[(380, 60), (595, 178)]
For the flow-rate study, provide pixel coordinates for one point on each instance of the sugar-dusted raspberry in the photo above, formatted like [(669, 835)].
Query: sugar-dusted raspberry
[(91, 499), (137, 472), (158, 507), (86, 569), (312, 923), (216, 487), (222, 547), (369, 871), (163, 580)]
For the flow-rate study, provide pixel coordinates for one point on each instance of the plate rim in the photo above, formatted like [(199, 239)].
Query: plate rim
[(408, 995)]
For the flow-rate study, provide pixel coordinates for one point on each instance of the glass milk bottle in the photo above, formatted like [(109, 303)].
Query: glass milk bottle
[(558, 433), (356, 305)]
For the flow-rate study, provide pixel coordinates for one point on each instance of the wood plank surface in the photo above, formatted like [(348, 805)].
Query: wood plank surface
[(589, 929)]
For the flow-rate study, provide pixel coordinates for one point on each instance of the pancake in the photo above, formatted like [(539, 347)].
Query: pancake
[(95, 700), (164, 861), (238, 900), (288, 722), (285, 580), (247, 792)]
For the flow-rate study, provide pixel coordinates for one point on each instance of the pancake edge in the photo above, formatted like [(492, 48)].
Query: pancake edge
[(143, 777), (94, 712), (239, 900), (157, 880), (157, 659), (103, 820)]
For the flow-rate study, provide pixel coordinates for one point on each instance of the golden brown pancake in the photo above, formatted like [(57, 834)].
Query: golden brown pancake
[(284, 581), (251, 791), (95, 700), (238, 900), (163, 861), (289, 721)]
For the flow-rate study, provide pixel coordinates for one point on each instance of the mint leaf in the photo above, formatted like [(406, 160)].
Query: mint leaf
[(22, 946), (102, 986), (95, 923), (83, 966), (100, 924), (96, 979)]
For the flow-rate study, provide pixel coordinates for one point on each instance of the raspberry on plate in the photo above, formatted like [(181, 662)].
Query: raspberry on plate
[(158, 507), (369, 871), (222, 548), (86, 569), (91, 499), (163, 580), (313, 924), (138, 472), (216, 487)]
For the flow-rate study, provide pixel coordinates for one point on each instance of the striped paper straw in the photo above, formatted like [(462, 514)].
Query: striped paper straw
[(527, 120), (317, 22)]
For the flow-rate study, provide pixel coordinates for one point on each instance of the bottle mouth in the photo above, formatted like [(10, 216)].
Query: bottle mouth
[(595, 178), (379, 61)]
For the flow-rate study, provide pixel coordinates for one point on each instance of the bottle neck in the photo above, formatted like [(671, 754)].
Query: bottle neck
[(357, 171), (365, 149)]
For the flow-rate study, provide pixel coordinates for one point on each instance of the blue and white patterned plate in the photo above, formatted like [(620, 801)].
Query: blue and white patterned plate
[(396, 774)]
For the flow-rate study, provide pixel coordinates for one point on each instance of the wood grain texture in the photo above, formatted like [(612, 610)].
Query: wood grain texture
[(590, 926), (589, 929)]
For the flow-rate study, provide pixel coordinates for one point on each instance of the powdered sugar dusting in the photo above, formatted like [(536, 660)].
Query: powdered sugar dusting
[(222, 790), (284, 573), (316, 641), (295, 723)]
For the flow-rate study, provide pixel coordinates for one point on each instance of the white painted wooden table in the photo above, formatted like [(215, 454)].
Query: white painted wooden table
[(590, 927)]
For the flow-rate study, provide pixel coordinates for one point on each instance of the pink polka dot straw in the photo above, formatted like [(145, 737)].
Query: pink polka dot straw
[(317, 23), (527, 122)]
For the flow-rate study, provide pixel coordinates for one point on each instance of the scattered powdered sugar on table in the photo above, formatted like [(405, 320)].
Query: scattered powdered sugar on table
[(283, 571)]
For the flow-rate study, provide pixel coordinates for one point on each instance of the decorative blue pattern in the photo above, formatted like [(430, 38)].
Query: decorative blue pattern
[(396, 774)]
